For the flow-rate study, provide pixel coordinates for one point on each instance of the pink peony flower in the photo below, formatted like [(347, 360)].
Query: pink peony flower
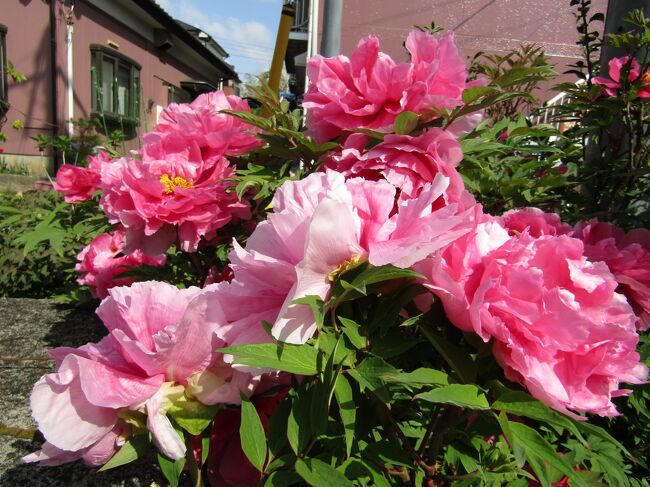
[(161, 346), (556, 323), (535, 221), (79, 183), (203, 122), (319, 227), (369, 90), (616, 65), (100, 265), (439, 73), (628, 258), (170, 195), (408, 163)]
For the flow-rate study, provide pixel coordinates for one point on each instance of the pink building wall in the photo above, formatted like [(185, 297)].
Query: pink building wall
[(28, 47), (479, 25)]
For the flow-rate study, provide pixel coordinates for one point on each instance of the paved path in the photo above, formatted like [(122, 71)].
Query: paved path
[(28, 329)]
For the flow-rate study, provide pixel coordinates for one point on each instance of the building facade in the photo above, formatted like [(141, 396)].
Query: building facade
[(120, 61), (492, 26)]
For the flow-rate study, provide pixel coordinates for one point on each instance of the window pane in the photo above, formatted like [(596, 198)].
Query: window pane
[(136, 94), (108, 74), (123, 84), (3, 73)]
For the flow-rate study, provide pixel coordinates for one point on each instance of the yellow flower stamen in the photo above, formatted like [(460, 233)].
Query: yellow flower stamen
[(345, 266), (172, 183)]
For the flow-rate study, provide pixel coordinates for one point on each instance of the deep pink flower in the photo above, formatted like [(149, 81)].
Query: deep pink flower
[(227, 464), (100, 263), (369, 90), (408, 163), (318, 227), (556, 323), (203, 122), (535, 221), (170, 195), (613, 85), (161, 346), (628, 258), (79, 183), (439, 73)]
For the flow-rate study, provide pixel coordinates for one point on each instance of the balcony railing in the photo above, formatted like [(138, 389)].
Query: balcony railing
[(301, 21)]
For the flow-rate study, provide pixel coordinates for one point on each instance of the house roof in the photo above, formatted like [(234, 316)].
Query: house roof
[(181, 32)]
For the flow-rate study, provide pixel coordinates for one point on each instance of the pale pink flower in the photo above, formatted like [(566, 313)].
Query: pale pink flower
[(79, 183), (170, 195), (628, 258), (101, 263), (556, 323), (319, 226), (535, 221), (203, 122), (162, 344), (407, 162), (369, 90), (613, 85)]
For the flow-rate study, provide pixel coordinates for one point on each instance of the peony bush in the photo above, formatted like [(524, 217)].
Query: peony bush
[(358, 317)]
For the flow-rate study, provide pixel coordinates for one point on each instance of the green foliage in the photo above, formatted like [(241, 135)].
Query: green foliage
[(518, 71), (75, 149), (612, 169), (40, 237), (251, 434), (362, 417)]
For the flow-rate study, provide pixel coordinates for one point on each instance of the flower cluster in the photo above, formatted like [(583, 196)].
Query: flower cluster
[(559, 305), (619, 66), (102, 264)]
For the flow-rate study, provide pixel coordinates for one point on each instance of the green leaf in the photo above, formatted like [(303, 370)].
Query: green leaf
[(521, 404), (282, 478), (297, 359), (319, 474), (347, 410), (352, 330), (374, 275), (133, 448), (316, 304), (406, 122), (538, 451), (251, 434), (191, 415), (370, 374), (419, 377), (171, 469), (277, 437), (461, 395), (298, 423), (476, 92), (458, 359)]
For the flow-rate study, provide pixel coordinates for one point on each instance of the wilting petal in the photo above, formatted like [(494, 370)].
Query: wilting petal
[(164, 436)]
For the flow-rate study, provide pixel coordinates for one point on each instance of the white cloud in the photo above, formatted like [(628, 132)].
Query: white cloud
[(247, 41)]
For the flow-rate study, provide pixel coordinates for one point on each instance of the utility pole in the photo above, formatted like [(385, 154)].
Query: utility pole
[(331, 43), (281, 43), (617, 10)]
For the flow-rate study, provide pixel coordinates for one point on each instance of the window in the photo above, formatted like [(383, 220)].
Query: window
[(4, 102), (177, 95), (115, 86)]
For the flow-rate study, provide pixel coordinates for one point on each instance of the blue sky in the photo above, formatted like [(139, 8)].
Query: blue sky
[(244, 28)]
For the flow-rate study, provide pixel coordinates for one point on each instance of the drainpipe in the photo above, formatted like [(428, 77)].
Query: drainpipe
[(69, 30), (53, 81), (331, 43), (312, 35)]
